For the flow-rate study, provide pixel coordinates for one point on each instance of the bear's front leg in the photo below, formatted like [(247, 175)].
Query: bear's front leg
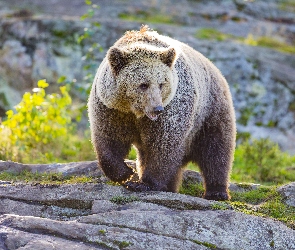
[(158, 171), (111, 155)]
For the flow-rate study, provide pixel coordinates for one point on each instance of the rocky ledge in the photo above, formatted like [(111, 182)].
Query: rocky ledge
[(101, 215)]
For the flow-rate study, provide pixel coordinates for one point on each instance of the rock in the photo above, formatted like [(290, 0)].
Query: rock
[(103, 216), (288, 192), (16, 239), (15, 72), (89, 168), (243, 187), (93, 216), (190, 176)]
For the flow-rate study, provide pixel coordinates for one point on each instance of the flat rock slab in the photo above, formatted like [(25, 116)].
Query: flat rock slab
[(102, 216), (72, 168)]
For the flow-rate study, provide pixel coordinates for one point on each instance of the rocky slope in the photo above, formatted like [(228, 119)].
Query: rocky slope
[(39, 40), (103, 216)]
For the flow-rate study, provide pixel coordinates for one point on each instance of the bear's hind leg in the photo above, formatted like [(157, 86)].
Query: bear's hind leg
[(213, 153), (175, 182)]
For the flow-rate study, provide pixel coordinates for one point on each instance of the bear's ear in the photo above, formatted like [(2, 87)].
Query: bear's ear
[(168, 57), (117, 59)]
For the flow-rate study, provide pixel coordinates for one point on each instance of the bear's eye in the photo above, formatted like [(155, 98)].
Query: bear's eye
[(161, 86), (143, 86)]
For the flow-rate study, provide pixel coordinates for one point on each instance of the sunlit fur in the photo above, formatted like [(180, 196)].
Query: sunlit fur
[(197, 124)]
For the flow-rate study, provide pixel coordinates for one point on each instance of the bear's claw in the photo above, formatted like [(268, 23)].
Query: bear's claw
[(217, 196), (137, 186)]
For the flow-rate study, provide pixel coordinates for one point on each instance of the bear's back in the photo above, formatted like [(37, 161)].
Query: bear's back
[(143, 36)]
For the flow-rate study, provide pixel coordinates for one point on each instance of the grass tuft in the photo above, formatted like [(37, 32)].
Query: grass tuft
[(264, 201), (148, 16), (43, 178)]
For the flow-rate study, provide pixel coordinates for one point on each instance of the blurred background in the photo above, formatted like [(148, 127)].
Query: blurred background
[(63, 41)]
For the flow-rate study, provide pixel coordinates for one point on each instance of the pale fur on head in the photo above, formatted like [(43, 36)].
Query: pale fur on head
[(142, 65)]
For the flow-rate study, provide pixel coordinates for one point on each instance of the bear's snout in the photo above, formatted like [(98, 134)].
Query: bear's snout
[(158, 110), (155, 112)]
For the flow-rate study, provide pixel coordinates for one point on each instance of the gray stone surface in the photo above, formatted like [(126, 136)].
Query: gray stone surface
[(89, 168), (288, 192), (103, 216), (92, 216)]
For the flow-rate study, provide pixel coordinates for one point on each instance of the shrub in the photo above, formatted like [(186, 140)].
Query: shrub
[(262, 161), (41, 128)]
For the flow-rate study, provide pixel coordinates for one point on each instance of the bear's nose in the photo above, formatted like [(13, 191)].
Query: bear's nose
[(158, 109)]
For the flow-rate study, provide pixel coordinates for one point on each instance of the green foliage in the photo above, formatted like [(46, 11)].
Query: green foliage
[(262, 161), (132, 154), (220, 206), (193, 189), (41, 129), (275, 208), (90, 58), (43, 178), (264, 201), (258, 161), (270, 204), (256, 196), (39, 122), (91, 47)]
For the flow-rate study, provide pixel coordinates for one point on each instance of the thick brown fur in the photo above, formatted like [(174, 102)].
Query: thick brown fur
[(145, 74)]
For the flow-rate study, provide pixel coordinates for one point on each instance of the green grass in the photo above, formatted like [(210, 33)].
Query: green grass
[(264, 201), (212, 34), (193, 189), (132, 154), (275, 44), (206, 244), (121, 200), (148, 16), (260, 161), (43, 178), (287, 5), (264, 41), (254, 197), (257, 161)]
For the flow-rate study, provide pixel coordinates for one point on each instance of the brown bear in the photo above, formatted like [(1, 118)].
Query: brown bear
[(172, 104)]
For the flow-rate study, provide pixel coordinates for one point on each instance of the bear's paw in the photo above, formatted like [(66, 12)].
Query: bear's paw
[(137, 186), (217, 196)]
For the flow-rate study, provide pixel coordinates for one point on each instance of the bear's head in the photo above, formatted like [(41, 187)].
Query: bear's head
[(145, 78)]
